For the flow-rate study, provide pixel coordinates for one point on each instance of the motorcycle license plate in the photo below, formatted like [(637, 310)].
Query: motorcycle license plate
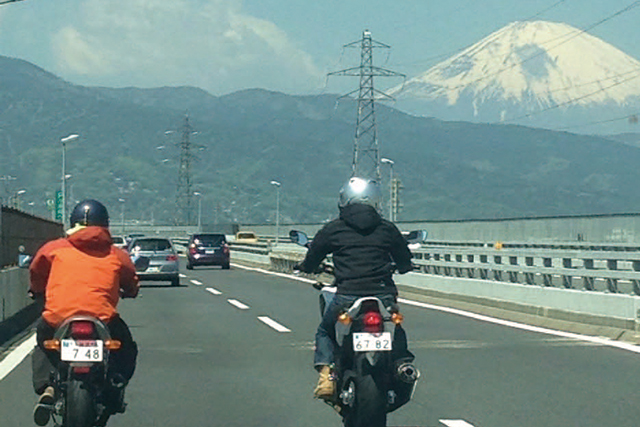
[(364, 341), (81, 350)]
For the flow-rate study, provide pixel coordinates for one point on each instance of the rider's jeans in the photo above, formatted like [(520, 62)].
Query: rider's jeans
[(326, 334)]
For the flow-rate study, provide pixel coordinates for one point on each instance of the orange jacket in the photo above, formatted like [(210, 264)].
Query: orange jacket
[(82, 274)]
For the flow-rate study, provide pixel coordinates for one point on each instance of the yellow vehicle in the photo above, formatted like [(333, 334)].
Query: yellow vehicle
[(246, 237)]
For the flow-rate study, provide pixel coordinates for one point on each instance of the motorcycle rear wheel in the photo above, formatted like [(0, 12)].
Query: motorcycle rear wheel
[(370, 406), (80, 407)]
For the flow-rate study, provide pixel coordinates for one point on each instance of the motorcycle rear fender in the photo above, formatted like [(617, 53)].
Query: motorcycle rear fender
[(343, 330), (101, 329)]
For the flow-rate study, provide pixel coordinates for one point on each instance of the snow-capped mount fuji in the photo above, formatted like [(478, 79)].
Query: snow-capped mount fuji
[(535, 73)]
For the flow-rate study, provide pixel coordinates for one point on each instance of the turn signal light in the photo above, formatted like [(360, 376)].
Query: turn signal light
[(345, 319), (397, 318), (52, 345), (113, 345)]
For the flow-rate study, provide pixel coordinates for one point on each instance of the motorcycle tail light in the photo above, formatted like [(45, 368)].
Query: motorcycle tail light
[(372, 321), (52, 345), (112, 345), (81, 329), (172, 257), (397, 318), (345, 319)]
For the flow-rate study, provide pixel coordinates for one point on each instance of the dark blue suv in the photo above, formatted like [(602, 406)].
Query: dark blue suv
[(208, 249)]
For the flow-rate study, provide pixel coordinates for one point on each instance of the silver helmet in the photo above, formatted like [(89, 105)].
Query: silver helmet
[(360, 190)]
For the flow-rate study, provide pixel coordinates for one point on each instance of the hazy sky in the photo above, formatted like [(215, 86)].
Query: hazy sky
[(283, 45)]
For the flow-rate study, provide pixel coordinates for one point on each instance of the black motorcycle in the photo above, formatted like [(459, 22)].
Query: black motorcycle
[(86, 394), (369, 383)]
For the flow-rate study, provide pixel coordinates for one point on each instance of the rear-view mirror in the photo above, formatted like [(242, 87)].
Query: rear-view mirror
[(416, 237), (299, 238)]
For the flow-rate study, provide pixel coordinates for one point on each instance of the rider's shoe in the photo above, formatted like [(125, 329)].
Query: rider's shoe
[(326, 387), (42, 411)]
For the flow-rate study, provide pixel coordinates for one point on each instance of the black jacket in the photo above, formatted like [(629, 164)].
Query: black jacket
[(363, 246)]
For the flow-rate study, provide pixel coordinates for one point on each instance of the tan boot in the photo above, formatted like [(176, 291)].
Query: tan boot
[(42, 411), (326, 387)]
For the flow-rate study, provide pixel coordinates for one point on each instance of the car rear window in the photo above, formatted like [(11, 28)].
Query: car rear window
[(209, 239), (117, 240), (246, 236), (152, 245)]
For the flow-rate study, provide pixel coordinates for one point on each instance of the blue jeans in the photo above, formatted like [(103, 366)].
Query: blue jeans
[(326, 333)]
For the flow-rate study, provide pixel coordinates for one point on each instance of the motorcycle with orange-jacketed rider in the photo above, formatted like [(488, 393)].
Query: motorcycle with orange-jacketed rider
[(85, 354), (361, 352)]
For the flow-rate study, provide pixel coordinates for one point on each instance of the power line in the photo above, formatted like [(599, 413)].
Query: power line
[(633, 118), (542, 12), (562, 104)]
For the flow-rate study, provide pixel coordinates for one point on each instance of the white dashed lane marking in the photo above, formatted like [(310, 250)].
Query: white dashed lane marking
[(214, 291), (456, 423), (272, 323), (238, 304), (196, 282)]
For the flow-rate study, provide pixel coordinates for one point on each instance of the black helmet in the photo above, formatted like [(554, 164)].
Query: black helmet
[(89, 212)]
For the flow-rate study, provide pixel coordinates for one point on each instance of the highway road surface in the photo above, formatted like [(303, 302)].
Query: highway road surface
[(233, 348)]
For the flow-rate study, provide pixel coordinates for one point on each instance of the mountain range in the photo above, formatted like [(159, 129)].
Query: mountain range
[(127, 155), (534, 73)]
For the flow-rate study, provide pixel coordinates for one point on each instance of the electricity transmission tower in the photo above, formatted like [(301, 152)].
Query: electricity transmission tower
[(184, 190), (366, 157)]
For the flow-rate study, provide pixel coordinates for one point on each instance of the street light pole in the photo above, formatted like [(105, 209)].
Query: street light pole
[(197, 193), (390, 163), (64, 175), (121, 200), (277, 185)]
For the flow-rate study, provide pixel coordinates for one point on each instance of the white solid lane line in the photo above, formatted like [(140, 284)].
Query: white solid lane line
[(214, 291), (272, 323), (16, 356), (196, 282), (592, 339), (238, 304), (587, 338), (456, 423)]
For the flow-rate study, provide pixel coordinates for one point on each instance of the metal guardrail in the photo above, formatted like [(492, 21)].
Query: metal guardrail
[(611, 271), (597, 268)]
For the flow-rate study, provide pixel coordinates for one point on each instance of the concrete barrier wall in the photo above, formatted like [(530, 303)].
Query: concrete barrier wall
[(621, 228), (14, 285), (18, 228)]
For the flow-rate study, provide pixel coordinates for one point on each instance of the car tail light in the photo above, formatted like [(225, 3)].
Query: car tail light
[(172, 257), (82, 329), (225, 248), (193, 250), (372, 321)]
